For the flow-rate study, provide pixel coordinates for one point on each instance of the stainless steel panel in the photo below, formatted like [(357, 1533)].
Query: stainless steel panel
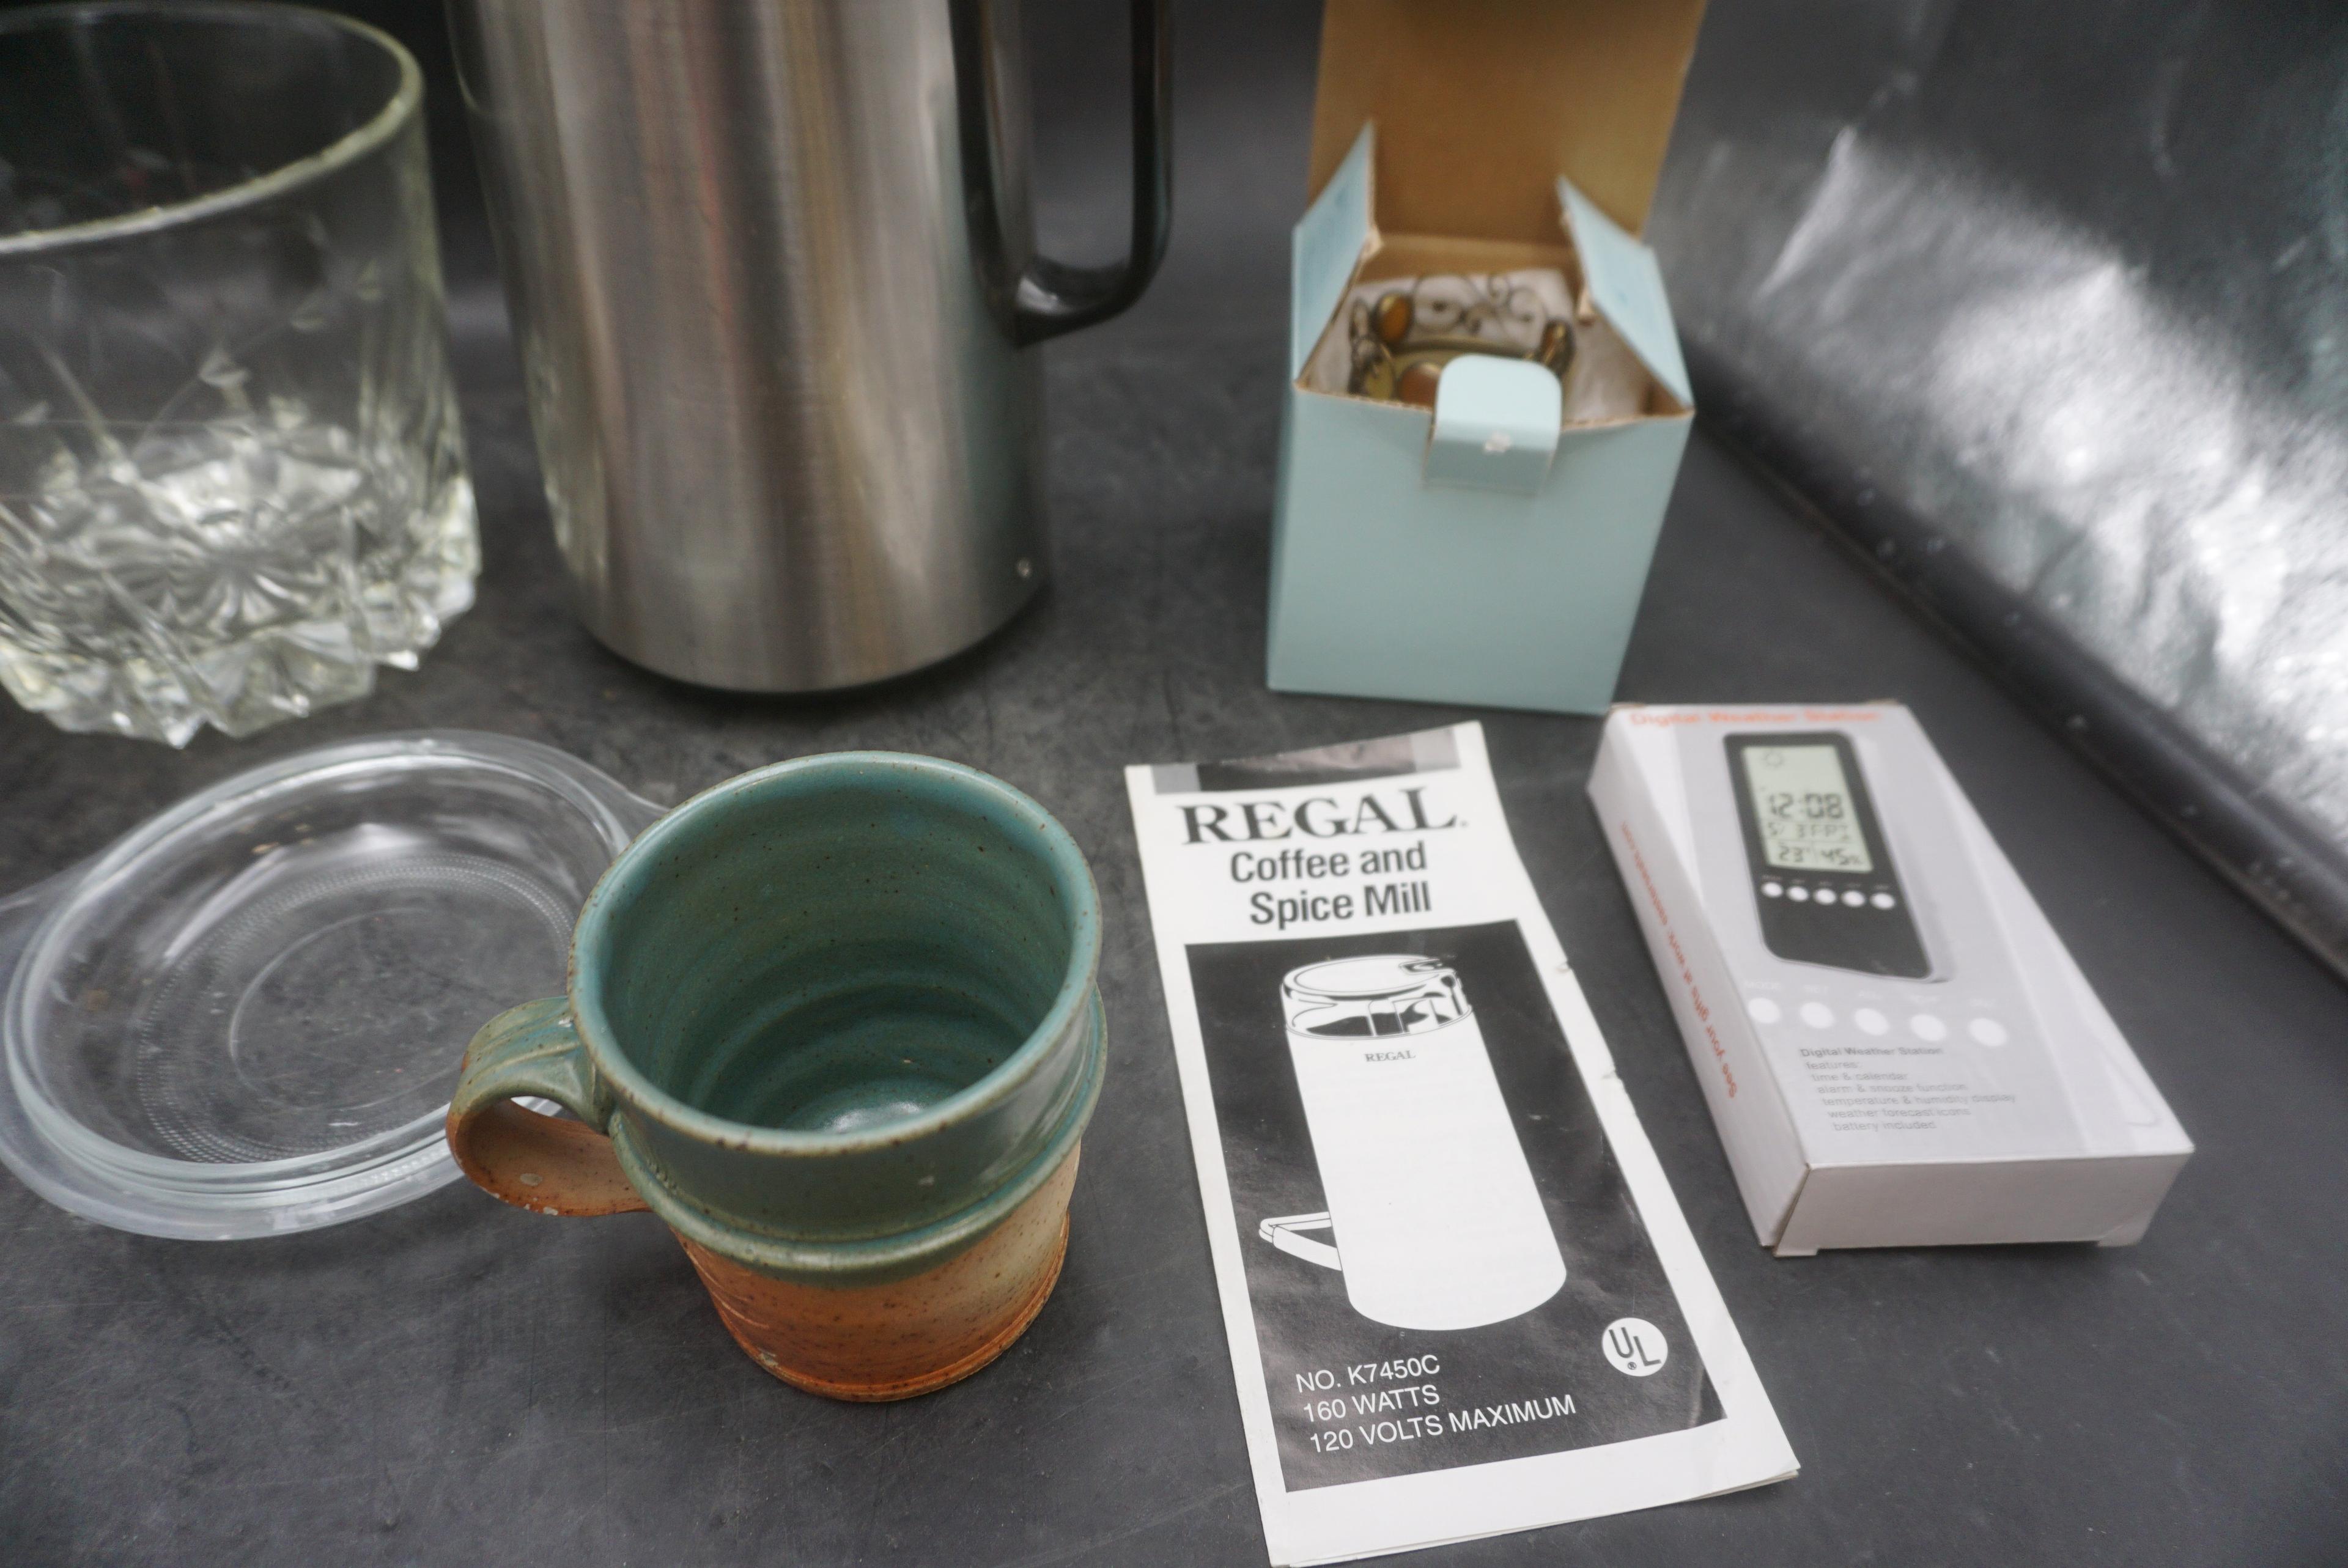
[(787, 443)]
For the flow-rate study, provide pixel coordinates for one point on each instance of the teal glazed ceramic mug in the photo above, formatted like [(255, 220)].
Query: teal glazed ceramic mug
[(837, 1024)]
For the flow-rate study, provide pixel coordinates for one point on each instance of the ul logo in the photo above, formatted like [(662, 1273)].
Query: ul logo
[(1635, 1347)]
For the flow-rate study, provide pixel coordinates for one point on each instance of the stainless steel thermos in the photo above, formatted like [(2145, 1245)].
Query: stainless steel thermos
[(770, 266)]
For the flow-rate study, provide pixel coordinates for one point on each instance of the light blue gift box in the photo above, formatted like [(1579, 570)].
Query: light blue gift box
[(1484, 553)]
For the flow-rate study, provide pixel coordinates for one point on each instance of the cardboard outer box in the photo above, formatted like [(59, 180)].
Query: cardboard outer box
[(1978, 1093), (1472, 555)]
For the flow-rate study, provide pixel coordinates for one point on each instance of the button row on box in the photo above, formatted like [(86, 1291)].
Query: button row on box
[(1849, 895), (1924, 1026)]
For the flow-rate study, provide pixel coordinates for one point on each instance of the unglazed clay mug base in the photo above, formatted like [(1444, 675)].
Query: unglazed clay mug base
[(836, 1023)]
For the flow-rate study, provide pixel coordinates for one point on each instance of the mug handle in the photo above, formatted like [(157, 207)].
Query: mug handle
[(535, 1161), (1286, 1233)]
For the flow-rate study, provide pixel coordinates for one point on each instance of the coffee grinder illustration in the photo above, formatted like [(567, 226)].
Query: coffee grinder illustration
[(1433, 1216)]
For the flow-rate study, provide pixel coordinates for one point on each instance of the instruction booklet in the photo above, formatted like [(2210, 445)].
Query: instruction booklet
[(1459, 1296)]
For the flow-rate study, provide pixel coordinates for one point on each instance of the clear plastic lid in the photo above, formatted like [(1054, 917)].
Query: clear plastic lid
[(246, 1016)]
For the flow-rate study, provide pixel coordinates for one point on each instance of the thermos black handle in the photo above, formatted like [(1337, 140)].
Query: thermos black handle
[(1046, 298)]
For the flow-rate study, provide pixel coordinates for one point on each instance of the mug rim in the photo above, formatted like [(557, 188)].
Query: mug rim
[(1073, 876)]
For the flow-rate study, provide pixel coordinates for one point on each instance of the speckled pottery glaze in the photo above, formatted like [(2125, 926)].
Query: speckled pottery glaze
[(836, 1022)]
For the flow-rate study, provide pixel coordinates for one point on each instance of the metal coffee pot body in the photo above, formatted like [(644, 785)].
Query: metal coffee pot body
[(769, 268)]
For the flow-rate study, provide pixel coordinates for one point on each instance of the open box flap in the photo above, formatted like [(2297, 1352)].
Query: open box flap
[(1482, 104), (1326, 246), (1626, 287)]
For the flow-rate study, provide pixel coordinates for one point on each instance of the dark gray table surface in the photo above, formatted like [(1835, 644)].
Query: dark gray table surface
[(457, 1381)]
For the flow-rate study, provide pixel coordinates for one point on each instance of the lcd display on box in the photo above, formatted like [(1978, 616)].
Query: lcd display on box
[(1804, 810)]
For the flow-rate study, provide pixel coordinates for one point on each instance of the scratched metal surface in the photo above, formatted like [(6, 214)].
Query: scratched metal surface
[(2047, 307), (457, 1381)]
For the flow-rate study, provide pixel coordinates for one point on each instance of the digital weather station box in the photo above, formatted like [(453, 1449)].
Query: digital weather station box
[(1896, 1046)]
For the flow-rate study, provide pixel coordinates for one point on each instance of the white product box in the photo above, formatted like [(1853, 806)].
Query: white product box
[(1896, 1046)]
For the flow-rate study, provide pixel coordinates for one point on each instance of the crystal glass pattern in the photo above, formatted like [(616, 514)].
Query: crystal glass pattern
[(232, 480)]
